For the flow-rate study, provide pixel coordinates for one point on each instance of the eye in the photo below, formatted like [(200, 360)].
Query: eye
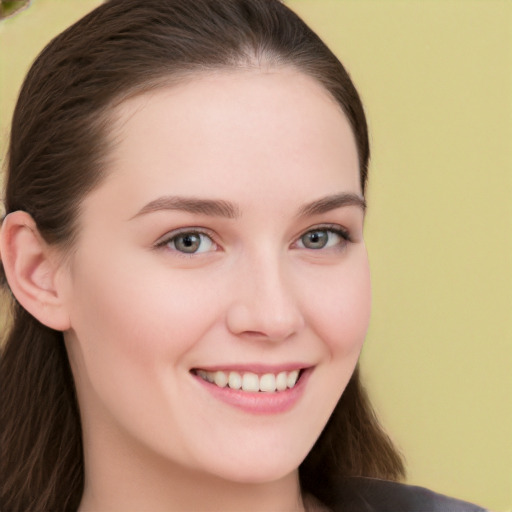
[(189, 242), (323, 238)]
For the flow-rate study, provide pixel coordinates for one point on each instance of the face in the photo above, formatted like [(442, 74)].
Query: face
[(219, 291)]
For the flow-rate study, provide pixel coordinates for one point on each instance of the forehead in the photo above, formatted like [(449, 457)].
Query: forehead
[(237, 133)]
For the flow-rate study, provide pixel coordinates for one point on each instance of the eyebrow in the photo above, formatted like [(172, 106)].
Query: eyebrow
[(328, 203), (210, 207), (221, 208)]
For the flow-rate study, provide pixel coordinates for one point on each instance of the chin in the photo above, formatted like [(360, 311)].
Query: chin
[(256, 470), (257, 474)]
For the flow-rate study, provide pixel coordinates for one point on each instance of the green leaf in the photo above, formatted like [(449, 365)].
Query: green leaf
[(10, 7)]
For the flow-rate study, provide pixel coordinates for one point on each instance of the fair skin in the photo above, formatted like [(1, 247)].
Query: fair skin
[(226, 239)]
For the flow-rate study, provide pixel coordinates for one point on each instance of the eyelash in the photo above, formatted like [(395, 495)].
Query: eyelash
[(171, 237), (343, 233)]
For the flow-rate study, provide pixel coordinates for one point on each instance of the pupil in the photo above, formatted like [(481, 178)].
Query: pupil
[(188, 241)]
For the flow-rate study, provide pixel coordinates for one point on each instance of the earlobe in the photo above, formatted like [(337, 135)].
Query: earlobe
[(31, 268)]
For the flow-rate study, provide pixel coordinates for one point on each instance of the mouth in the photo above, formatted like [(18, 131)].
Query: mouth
[(251, 382), (256, 389)]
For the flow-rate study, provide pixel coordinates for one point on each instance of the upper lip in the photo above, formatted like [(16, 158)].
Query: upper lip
[(258, 368)]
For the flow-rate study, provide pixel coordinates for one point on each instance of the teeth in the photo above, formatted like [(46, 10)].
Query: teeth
[(251, 382), (208, 376), (220, 379), (281, 381), (268, 382), (235, 380), (292, 378)]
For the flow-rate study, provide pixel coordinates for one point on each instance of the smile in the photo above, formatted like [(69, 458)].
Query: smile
[(256, 389), (251, 382)]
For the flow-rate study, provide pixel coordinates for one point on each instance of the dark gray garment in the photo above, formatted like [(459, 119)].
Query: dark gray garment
[(373, 495)]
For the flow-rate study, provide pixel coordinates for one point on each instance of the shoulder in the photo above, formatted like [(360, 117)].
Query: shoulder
[(374, 495)]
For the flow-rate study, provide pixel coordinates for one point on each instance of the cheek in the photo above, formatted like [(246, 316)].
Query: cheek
[(131, 336), (148, 313), (130, 331), (339, 315), (339, 309)]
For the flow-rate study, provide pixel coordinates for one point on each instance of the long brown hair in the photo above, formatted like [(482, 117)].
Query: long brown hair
[(59, 142)]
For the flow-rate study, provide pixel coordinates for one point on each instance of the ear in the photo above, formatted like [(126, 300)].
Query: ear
[(31, 267)]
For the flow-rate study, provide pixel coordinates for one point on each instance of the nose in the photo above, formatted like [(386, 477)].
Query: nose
[(265, 305)]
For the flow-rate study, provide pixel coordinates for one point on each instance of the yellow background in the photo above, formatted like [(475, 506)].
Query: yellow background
[(436, 80)]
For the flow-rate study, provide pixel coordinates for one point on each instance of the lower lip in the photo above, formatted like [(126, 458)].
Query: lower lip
[(259, 402)]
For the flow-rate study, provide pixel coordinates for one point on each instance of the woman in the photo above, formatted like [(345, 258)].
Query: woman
[(185, 206)]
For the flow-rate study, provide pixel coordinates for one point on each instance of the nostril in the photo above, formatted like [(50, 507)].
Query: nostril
[(254, 334)]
